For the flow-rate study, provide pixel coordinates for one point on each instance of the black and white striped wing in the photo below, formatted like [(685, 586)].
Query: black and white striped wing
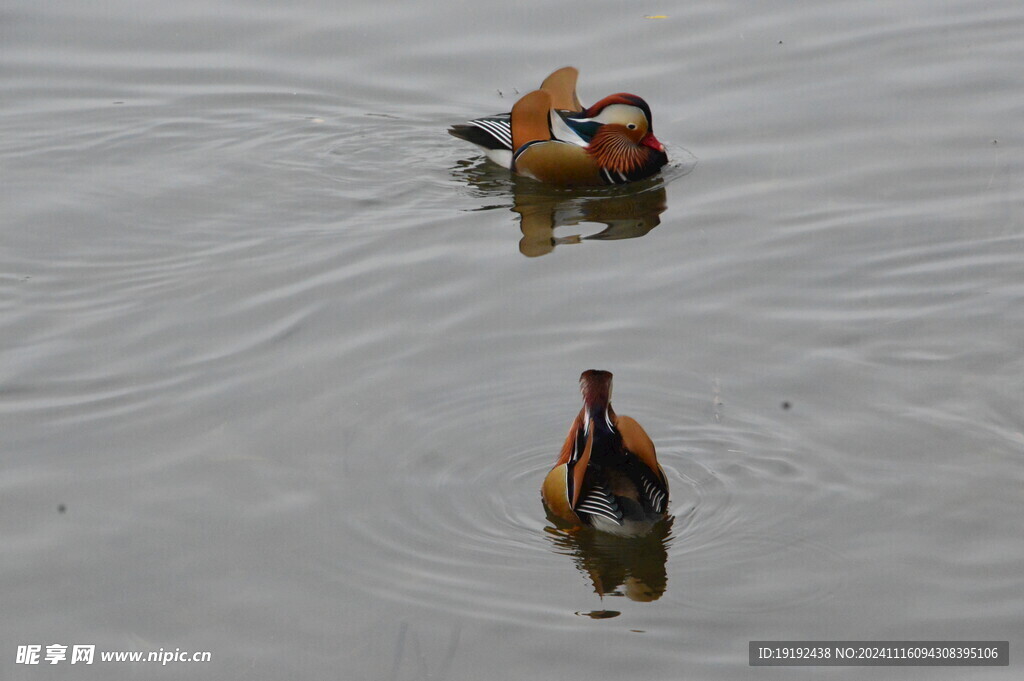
[(598, 501), (655, 493), (490, 132), (499, 127)]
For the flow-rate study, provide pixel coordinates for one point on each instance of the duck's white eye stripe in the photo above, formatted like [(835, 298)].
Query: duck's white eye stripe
[(608, 420)]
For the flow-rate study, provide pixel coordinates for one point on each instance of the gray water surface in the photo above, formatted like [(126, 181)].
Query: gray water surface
[(282, 364)]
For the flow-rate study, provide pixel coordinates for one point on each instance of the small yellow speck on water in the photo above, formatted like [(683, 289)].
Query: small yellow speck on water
[(656, 16), (318, 120)]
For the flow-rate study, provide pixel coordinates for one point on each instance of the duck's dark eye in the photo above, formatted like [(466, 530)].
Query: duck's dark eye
[(631, 126)]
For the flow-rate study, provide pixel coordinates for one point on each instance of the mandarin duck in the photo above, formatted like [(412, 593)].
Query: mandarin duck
[(607, 475), (551, 137)]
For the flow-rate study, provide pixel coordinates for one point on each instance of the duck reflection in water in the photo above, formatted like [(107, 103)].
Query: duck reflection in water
[(625, 216), (626, 212), (633, 567)]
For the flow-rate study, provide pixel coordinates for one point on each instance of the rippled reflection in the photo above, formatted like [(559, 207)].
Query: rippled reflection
[(626, 212), (625, 217), (634, 567)]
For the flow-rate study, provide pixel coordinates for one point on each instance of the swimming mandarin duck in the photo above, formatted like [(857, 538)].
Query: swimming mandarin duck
[(607, 475), (551, 137)]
